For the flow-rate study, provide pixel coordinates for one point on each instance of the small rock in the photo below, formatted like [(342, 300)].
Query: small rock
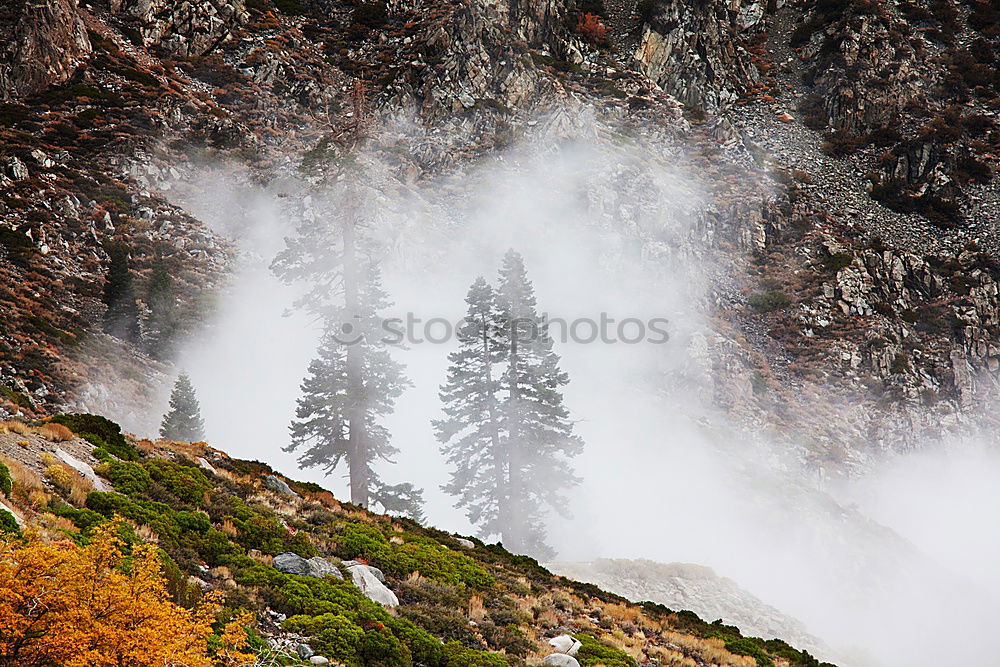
[(464, 543), (279, 486), (16, 169), (304, 651), (318, 660), (560, 660)]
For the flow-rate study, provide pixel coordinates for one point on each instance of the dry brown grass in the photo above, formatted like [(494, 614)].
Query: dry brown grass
[(78, 494), (710, 650), (55, 432), (229, 528), (669, 658), (147, 534), (477, 610), (15, 427), (28, 488), (325, 498), (261, 557)]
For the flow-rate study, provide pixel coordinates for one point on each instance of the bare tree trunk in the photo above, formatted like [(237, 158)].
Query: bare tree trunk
[(499, 455), (357, 437), (512, 534)]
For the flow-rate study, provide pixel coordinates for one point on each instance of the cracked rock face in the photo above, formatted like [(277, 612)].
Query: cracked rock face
[(41, 44), (186, 29), (695, 52)]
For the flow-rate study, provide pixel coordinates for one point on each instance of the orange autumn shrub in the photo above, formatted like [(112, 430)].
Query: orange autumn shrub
[(593, 29), (61, 604)]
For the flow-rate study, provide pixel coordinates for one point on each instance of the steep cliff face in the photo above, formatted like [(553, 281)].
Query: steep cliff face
[(831, 138), (698, 51), (184, 29), (43, 43)]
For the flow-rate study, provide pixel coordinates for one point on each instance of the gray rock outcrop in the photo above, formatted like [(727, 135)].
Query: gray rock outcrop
[(291, 563), (695, 51)]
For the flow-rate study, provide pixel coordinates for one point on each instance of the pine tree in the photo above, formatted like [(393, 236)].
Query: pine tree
[(507, 431), (160, 326), (354, 382), (477, 447), (122, 316), (183, 421), (537, 423)]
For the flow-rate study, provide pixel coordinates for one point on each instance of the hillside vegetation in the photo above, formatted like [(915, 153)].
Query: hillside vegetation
[(216, 524)]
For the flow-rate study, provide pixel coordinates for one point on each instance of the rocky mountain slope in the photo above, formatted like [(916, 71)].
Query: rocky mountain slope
[(695, 587), (850, 147), (328, 582)]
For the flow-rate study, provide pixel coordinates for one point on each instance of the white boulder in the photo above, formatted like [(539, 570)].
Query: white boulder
[(565, 644), (364, 577), (560, 660)]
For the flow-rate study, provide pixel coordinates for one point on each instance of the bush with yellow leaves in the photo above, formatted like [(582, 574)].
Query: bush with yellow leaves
[(102, 605)]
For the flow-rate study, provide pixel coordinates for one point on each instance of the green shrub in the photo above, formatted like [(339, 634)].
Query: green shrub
[(15, 397), (8, 524), (593, 652), (104, 433), (6, 484), (380, 648), (748, 647), (437, 562), (129, 478), (769, 301), (332, 635), (186, 482), (456, 655), (358, 540)]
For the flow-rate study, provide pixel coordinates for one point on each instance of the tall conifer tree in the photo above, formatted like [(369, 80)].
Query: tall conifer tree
[(507, 431), (354, 381)]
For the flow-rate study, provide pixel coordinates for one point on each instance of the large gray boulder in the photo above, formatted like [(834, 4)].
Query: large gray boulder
[(366, 578), (560, 660), (290, 563), (321, 567)]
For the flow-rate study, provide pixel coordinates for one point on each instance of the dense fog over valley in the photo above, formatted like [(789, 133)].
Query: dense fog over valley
[(665, 476)]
